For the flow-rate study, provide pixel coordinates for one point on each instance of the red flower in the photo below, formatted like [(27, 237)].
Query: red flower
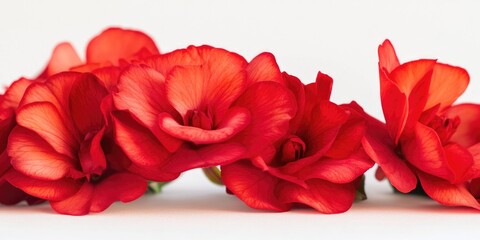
[(417, 138), (467, 135), (199, 107), (112, 47), (319, 163), (61, 149)]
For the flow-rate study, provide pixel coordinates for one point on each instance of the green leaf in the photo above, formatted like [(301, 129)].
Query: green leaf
[(155, 187)]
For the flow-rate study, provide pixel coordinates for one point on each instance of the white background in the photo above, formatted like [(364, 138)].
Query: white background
[(339, 38)]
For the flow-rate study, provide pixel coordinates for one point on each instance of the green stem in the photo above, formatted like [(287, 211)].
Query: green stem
[(156, 187), (214, 175)]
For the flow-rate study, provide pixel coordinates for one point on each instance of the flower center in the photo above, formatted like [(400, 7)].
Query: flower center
[(198, 119), (445, 127), (293, 149), (92, 159)]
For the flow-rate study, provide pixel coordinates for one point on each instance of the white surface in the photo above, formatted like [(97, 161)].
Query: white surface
[(339, 38), (192, 208)]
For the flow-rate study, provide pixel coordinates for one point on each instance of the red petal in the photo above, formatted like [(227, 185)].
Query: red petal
[(410, 79), (138, 143), (109, 76), (271, 106), (297, 87), (123, 187), (387, 57), (349, 137), (235, 120), (7, 123), (141, 91), (468, 131), (474, 171), (324, 196), (416, 102), (222, 69), (89, 67), (85, 99), (407, 75), (4, 163), (203, 88), (14, 93), (11, 195), (446, 193), (115, 44), (324, 86), (339, 170), (264, 68), (46, 121), (394, 106), (280, 173), (56, 91), (155, 173), (118, 161), (49, 190), (460, 161), (63, 58), (201, 157), (78, 204), (91, 155), (448, 83), (254, 187), (34, 157), (164, 63), (379, 146), (321, 130), (425, 151)]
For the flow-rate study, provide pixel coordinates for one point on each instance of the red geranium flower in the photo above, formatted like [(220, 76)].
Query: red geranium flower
[(199, 107), (417, 138), (112, 47), (319, 162), (468, 136), (61, 149)]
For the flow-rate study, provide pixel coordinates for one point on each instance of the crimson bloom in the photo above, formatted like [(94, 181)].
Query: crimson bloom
[(416, 140), (319, 162), (467, 135), (61, 149), (199, 107), (112, 47)]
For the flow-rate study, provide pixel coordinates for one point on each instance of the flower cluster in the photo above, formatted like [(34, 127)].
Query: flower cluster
[(87, 133)]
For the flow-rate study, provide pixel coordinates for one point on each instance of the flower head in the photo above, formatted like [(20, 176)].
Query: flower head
[(319, 162), (61, 150), (112, 47), (417, 138), (200, 107)]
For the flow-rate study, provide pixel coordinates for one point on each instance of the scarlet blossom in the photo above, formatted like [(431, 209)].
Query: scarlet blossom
[(467, 135), (62, 149), (199, 107), (112, 47), (417, 138), (318, 163)]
